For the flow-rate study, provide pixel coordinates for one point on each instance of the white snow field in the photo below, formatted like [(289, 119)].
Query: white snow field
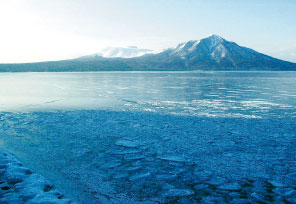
[(153, 137)]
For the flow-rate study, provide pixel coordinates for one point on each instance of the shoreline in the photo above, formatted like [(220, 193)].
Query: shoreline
[(19, 184)]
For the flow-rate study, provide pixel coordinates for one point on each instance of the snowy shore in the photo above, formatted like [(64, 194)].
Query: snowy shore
[(19, 184)]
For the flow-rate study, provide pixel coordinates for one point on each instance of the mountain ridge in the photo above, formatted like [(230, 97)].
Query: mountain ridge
[(210, 53)]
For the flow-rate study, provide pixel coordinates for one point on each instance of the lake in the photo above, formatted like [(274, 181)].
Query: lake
[(155, 137)]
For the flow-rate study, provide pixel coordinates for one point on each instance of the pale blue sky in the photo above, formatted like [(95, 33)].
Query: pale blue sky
[(35, 30)]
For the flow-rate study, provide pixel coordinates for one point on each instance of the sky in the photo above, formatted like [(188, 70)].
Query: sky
[(45, 30)]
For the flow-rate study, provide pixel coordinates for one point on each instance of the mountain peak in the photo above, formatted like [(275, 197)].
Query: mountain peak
[(214, 36), (191, 47), (214, 39)]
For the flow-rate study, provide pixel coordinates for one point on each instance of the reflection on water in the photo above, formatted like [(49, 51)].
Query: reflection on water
[(230, 94)]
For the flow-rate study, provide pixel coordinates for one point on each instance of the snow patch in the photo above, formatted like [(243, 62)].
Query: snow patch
[(123, 52)]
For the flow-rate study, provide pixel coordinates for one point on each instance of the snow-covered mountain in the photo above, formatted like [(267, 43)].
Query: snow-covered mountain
[(123, 52), (210, 53), (214, 52), (212, 45)]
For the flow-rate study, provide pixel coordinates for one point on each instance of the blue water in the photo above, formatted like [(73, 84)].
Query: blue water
[(155, 137)]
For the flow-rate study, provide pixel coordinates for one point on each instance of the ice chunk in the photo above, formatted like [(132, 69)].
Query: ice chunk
[(172, 158), (133, 168), (121, 175), (212, 199), (287, 192), (140, 176), (291, 176), (257, 197), (166, 177), (111, 165), (241, 201), (178, 192), (203, 175), (128, 151), (201, 186), (278, 183), (230, 186), (13, 179), (217, 181), (127, 143), (134, 157)]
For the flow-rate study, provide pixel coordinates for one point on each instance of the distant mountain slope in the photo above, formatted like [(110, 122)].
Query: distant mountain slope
[(211, 53)]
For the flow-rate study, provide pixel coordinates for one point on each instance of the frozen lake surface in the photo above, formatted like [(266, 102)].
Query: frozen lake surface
[(211, 94), (155, 137)]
